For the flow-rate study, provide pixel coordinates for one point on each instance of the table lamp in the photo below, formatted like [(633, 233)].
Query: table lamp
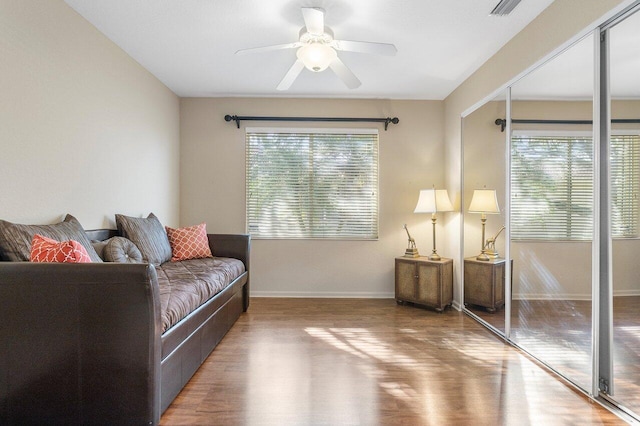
[(433, 201), (484, 201)]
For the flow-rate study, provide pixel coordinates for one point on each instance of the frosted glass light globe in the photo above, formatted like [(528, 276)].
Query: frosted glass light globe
[(316, 57)]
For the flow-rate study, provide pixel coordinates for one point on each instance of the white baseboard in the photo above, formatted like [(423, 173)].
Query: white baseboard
[(325, 295), (557, 296), (632, 292), (571, 296), (456, 305)]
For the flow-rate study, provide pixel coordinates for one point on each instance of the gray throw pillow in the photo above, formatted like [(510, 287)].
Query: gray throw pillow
[(15, 238), (148, 235), (121, 250), (99, 246)]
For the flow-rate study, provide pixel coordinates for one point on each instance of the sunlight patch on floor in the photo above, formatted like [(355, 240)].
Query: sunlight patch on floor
[(361, 343)]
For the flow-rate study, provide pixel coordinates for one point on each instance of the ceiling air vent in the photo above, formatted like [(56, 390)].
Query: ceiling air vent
[(504, 7)]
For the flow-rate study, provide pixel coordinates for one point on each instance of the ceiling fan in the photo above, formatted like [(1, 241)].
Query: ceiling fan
[(317, 50)]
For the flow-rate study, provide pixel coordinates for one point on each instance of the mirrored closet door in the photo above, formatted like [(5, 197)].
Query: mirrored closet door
[(566, 184), (624, 201), (483, 201), (552, 172)]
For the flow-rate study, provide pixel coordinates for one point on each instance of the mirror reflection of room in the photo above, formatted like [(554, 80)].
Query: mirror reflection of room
[(624, 146), (552, 172), (484, 148)]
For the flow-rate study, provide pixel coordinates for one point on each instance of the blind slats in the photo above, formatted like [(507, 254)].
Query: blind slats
[(312, 185), (552, 187)]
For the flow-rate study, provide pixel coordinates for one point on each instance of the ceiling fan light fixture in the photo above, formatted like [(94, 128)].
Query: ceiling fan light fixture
[(317, 50), (316, 57)]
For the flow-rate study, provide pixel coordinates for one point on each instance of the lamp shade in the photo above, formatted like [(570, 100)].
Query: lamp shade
[(316, 57), (433, 200), (484, 201)]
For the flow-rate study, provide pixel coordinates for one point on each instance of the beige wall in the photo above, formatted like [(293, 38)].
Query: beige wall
[(85, 129), (551, 30), (213, 190)]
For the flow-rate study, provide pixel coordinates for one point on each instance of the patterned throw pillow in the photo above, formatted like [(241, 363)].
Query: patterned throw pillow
[(189, 243), (45, 249)]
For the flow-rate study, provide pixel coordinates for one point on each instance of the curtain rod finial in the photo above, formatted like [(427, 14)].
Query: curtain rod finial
[(235, 118)]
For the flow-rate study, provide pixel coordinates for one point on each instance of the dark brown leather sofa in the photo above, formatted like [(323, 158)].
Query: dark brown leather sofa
[(82, 343)]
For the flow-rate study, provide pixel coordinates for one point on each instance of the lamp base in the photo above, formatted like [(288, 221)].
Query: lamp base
[(411, 252), (483, 257), (492, 254), (434, 256)]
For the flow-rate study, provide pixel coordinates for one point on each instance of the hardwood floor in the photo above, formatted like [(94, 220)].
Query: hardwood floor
[(372, 362), (560, 332)]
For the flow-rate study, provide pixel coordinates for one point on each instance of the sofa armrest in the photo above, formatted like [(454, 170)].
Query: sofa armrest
[(237, 246), (79, 343)]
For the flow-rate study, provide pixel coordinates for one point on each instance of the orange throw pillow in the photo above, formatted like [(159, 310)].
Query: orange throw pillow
[(189, 243), (45, 249)]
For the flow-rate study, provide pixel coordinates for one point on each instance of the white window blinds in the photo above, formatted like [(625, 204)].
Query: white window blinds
[(312, 183), (552, 187), (625, 182)]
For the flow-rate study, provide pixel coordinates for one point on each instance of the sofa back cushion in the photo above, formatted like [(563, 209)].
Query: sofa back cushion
[(15, 239), (148, 235)]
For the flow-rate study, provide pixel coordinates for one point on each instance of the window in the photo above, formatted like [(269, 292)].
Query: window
[(552, 187), (312, 183), (625, 178)]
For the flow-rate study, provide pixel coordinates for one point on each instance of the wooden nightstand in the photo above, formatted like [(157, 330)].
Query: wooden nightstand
[(484, 283), (424, 282)]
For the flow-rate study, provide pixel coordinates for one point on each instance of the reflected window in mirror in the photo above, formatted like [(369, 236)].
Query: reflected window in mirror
[(552, 186)]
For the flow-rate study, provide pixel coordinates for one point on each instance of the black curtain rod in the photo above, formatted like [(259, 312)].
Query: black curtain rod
[(503, 122), (386, 121)]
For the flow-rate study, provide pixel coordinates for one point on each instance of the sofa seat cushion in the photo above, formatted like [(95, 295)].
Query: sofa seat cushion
[(187, 284)]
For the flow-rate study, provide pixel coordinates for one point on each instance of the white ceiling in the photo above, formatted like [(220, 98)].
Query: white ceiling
[(189, 44)]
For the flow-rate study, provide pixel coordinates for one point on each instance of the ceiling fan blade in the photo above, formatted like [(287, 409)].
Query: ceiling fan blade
[(365, 47), (313, 20), (269, 48), (345, 74), (291, 75)]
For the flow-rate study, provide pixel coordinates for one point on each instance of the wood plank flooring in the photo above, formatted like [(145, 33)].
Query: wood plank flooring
[(560, 332), (372, 362)]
